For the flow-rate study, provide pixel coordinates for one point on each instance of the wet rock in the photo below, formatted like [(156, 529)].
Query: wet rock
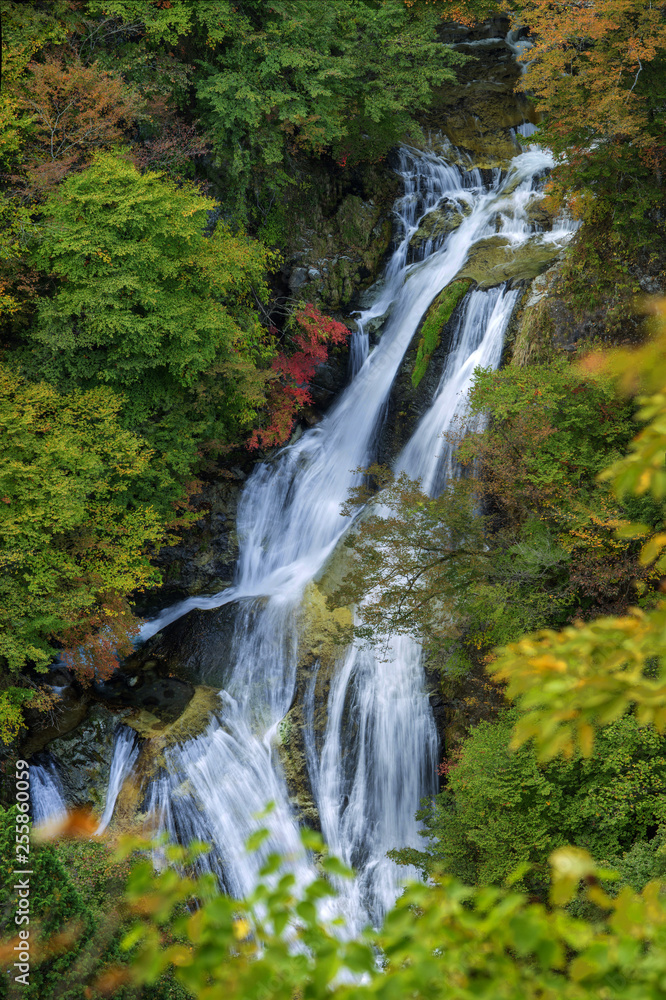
[(147, 690), (340, 234), (551, 320), (330, 378), (408, 402), (437, 225), (203, 559), (324, 634), (159, 734), (297, 279), (67, 713), (495, 260), (539, 216), (196, 649), (83, 757), (650, 284), (290, 745), (480, 113)]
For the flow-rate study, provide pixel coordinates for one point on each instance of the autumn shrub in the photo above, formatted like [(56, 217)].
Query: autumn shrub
[(310, 336), (552, 430), (74, 110)]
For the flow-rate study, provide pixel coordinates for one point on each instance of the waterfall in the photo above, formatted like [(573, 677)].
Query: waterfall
[(47, 798), (477, 343), (125, 753), (379, 750)]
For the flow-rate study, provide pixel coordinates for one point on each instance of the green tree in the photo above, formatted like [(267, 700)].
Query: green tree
[(589, 674), (291, 78), (73, 527), (413, 558), (445, 940), (524, 539), (502, 808), (147, 303)]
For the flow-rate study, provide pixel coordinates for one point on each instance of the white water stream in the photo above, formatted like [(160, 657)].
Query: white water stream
[(125, 753), (47, 798), (379, 751)]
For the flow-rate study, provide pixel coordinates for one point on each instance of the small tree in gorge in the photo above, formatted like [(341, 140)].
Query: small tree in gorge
[(310, 333)]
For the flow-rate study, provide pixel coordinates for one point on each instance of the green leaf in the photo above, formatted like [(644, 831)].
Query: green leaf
[(256, 839)]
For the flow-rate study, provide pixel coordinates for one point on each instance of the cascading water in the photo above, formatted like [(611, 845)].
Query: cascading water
[(477, 343), (379, 750), (47, 799), (125, 753)]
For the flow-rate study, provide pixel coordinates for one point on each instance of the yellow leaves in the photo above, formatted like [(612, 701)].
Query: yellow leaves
[(548, 663), (241, 929), (585, 738), (568, 866), (653, 548)]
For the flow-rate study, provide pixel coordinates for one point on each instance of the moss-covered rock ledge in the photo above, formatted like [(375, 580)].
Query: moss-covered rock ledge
[(433, 323)]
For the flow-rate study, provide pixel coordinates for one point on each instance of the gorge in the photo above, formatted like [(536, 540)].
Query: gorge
[(373, 758)]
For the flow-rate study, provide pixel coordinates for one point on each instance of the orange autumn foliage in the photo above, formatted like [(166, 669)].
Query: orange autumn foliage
[(75, 110), (586, 62)]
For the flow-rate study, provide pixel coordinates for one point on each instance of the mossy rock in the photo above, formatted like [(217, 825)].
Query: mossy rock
[(439, 223), (83, 757), (533, 337), (496, 260), (324, 632), (160, 736), (408, 402), (290, 745), (539, 216), (433, 323)]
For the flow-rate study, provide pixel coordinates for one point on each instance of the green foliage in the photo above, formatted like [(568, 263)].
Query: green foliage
[(435, 943), (340, 77), (544, 547), (289, 78), (589, 674), (434, 322), (414, 556), (502, 809), (55, 902), (555, 427), (147, 303), (74, 532)]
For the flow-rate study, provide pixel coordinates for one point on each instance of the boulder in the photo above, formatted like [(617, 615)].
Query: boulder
[(196, 649), (438, 224), (495, 260)]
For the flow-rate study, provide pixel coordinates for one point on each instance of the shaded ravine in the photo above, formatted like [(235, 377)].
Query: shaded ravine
[(379, 749)]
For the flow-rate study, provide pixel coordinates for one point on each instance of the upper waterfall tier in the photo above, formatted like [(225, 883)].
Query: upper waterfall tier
[(289, 516)]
